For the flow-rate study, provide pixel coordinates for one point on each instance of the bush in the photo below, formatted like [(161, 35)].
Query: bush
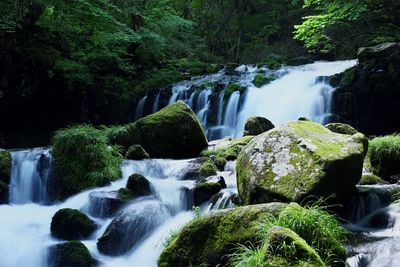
[(384, 153), (83, 159)]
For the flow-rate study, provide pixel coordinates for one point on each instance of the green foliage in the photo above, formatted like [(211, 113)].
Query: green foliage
[(233, 87), (248, 256), (207, 168), (83, 159), (321, 230), (384, 154), (260, 80)]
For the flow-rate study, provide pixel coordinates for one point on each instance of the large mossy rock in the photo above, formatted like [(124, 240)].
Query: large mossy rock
[(131, 226), (300, 159), (206, 240), (257, 125), (173, 132), (285, 244), (5, 166), (71, 224), (70, 254), (384, 154), (136, 152), (138, 185), (83, 159)]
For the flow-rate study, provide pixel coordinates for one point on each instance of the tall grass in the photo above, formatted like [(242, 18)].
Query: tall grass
[(83, 159)]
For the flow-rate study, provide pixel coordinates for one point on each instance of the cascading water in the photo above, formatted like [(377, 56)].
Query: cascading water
[(302, 91), (156, 103), (25, 237), (140, 107)]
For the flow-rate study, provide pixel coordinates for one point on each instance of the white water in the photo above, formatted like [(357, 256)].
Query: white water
[(25, 226), (297, 92), (140, 107)]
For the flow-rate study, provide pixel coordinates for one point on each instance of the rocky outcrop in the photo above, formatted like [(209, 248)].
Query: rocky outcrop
[(368, 94), (257, 125), (70, 224), (297, 160), (206, 240), (173, 132)]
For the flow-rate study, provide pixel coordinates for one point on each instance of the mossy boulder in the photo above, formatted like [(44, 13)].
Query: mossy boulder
[(3, 193), (5, 166), (384, 153), (297, 160), (204, 191), (341, 128), (286, 244), (208, 239), (260, 80), (173, 132), (207, 168), (257, 125), (371, 179), (138, 185), (83, 159), (136, 152), (70, 254), (71, 224)]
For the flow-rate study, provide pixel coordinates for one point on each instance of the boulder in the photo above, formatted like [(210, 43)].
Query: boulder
[(204, 191), (378, 52), (173, 132), (104, 204), (136, 152), (257, 125), (207, 168), (70, 254), (384, 156), (279, 239), (371, 179), (131, 226), (138, 185), (208, 239), (297, 160), (341, 128), (71, 224), (5, 166)]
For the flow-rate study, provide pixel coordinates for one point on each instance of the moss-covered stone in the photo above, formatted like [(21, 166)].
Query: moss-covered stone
[(384, 153), (260, 80), (83, 159), (3, 193), (233, 87), (371, 179), (300, 159), (69, 254), (206, 240), (173, 132), (204, 191), (5, 166), (257, 125), (138, 185), (136, 152), (341, 128), (71, 224), (288, 245), (207, 168)]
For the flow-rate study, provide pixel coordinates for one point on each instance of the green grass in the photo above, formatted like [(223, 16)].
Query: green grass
[(321, 230), (83, 159), (247, 256)]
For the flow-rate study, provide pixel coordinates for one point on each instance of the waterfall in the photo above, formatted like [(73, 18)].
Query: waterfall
[(30, 176), (220, 107), (140, 108), (156, 103), (230, 118)]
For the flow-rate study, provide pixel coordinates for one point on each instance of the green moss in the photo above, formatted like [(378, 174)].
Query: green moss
[(72, 253), (384, 153), (207, 239), (233, 87), (173, 132), (136, 152), (341, 128), (207, 168), (348, 77), (260, 80), (371, 179), (125, 194), (138, 185), (5, 166), (71, 224), (83, 159)]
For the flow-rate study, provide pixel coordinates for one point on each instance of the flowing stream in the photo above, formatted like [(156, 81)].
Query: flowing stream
[(25, 236), (301, 91)]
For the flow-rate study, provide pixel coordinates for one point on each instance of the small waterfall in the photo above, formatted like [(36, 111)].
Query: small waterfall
[(220, 107), (140, 108), (202, 106), (30, 176), (156, 103), (191, 100), (230, 118)]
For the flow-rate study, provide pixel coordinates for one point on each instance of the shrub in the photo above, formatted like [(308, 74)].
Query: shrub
[(83, 159)]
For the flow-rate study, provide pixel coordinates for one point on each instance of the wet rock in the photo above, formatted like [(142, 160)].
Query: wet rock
[(138, 185), (257, 125), (70, 254), (105, 204), (136, 152)]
